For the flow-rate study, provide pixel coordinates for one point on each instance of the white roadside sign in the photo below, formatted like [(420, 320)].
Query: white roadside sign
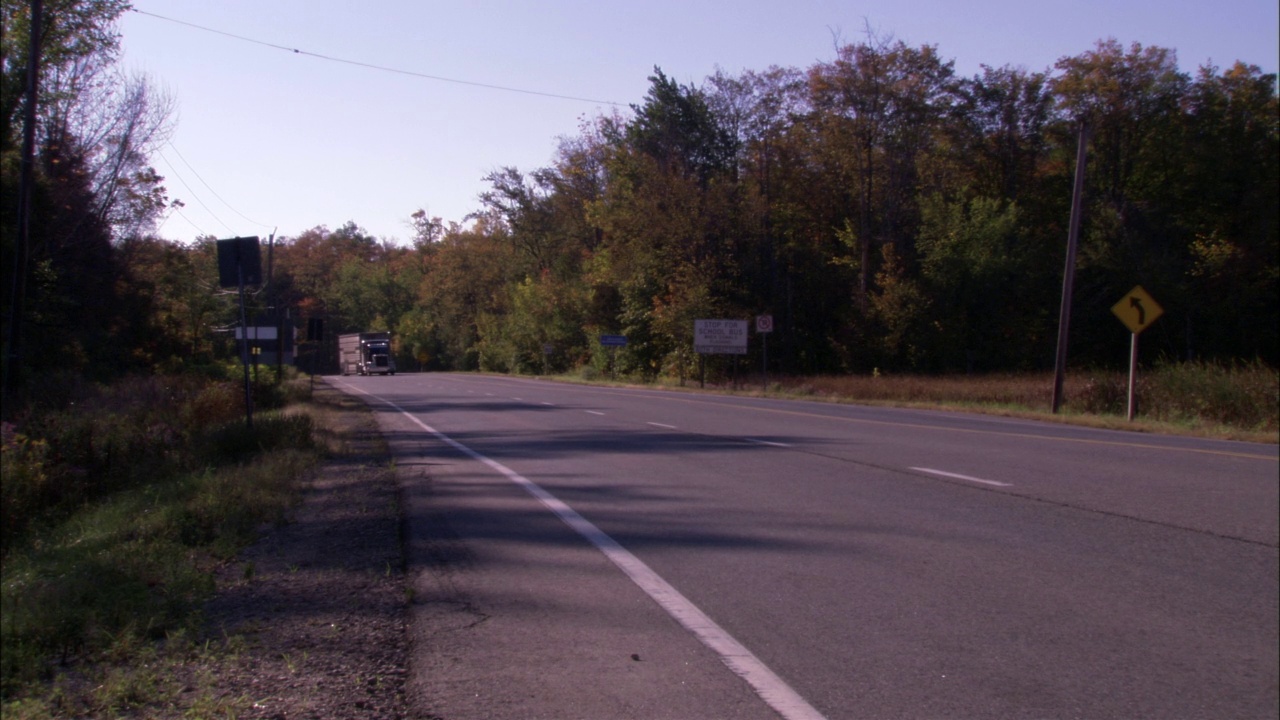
[(720, 337)]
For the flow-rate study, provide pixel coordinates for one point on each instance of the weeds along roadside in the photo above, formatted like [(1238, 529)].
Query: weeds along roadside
[(1238, 401), (118, 506)]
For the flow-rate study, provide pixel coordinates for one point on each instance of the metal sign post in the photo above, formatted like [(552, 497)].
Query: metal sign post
[(764, 326), (613, 342), (240, 264), (1137, 310)]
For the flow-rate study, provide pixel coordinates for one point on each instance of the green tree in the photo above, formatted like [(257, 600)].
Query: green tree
[(877, 108), (676, 128), (1003, 120), (1132, 100), (974, 263), (1232, 162)]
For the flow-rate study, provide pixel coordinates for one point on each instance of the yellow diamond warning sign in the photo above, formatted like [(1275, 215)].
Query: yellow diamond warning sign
[(1137, 310)]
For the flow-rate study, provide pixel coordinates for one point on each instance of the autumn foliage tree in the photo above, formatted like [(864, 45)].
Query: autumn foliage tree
[(888, 212)]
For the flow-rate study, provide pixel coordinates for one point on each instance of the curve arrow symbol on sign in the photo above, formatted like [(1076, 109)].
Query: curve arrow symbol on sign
[(1136, 302), (1137, 309)]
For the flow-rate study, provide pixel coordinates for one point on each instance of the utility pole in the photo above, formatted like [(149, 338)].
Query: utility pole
[(26, 190), (1069, 273)]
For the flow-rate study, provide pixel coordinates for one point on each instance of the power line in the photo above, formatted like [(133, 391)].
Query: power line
[(382, 68), (174, 148), (191, 222), (193, 192)]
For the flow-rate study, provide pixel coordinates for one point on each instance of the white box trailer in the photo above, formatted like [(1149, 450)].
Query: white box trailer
[(366, 354)]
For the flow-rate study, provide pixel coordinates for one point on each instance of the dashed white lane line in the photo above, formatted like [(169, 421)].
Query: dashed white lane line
[(966, 478), (770, 443), (548, 404), (771, 688), (662, 425), (594, 412)]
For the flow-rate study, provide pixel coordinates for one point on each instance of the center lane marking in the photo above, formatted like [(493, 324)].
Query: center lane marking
[(771, 688), (954, 476)]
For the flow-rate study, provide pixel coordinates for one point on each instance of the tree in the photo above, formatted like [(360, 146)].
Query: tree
[(175, 290), (1232, 161), (308, 265), (93, 186), (676, 128), (1131, 100), (974, 261), (876, 107), (1005, 113)]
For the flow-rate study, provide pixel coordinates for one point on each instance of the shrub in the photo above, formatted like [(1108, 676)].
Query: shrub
[(24, 481), (1244, 396), (235, 441), (1103, 394)]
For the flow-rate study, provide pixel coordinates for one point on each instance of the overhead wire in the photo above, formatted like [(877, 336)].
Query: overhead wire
[(381, 68), (191, 222), (250, 220), (194, 194)]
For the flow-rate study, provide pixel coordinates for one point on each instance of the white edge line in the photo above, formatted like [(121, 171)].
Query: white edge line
[(954, 476), (771, 688)]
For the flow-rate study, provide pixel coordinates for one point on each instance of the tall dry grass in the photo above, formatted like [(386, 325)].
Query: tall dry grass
[(1215, 398)]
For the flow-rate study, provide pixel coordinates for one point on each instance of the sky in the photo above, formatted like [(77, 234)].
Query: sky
[(267, 140)]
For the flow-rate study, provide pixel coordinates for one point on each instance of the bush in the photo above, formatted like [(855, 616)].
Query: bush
[(1104, 394), (24, 481), (116, 507), (1243, 396), (235, 441), (142, 429)]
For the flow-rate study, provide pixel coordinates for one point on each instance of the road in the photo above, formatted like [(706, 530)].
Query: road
[(602, 552)]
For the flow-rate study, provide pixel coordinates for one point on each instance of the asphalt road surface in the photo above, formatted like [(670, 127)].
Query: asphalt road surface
[(612, 553)]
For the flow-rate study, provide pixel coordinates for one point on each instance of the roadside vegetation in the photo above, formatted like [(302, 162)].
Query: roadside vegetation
[(904, 225), (119, 503), (1237, 402)]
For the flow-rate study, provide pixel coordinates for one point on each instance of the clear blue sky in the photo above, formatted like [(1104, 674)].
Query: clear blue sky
[(268, 139)]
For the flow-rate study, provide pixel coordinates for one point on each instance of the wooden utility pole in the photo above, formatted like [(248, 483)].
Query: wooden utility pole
[(1069, 273)]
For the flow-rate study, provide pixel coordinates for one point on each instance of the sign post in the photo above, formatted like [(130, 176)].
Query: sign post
[(764, 326), (1137, 310), (613, 342), (315, 334), (240, 264)]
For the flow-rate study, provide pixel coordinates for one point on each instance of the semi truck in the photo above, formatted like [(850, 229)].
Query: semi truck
[(366, 354)]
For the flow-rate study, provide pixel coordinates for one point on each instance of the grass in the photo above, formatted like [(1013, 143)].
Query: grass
[(123, 504), (1240, 403), (1237, 402)]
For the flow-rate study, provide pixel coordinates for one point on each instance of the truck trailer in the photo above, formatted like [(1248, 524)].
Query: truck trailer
[(366, 354)]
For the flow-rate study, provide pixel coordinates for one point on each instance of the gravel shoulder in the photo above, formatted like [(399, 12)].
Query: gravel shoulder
[(312, 618)]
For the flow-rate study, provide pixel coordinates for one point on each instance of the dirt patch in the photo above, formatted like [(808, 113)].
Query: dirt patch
[(311, 619)]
